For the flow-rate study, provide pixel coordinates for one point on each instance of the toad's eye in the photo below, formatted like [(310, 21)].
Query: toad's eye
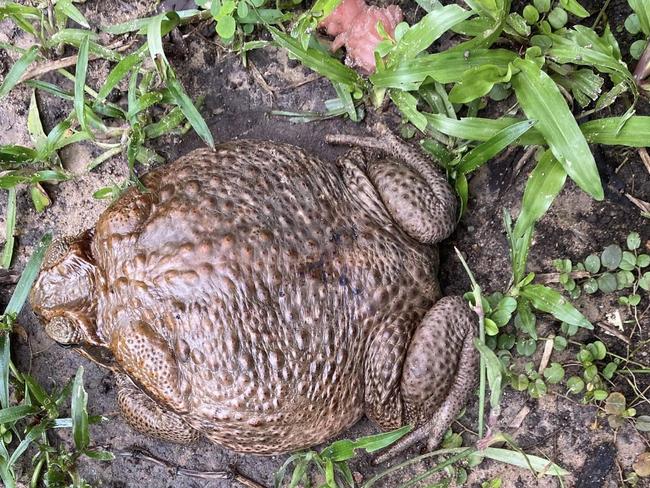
[(64, 331), (56, 252)]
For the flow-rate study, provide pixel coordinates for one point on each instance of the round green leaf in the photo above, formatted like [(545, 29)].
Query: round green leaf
[(531, 14), (633, 241), (491, 328), (590, 286), (597, 350), (506, 341), (519, 382), (643, 423), (632, 24), (607, 283), (526, 347), (600, 395), (592, 263), (563, 265), (628, 262), (634, 300), (585, 356), (559, 343), (637, 48), (242, 9), (558, 18), (643, 260), (554, 373), (644, 282), (537, 388), (611, 257), (590, 373), (226, 27), (569, 329), (624, 279), (258, 3), (609, 370), (542, 6), (575, 384)]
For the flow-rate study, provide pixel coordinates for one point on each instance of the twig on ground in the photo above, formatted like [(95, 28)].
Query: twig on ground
[(230, 474), (645, 158), (56, 64), (614, 332), (555, 277)]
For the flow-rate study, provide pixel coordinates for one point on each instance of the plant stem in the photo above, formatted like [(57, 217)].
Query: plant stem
[(478, 301)]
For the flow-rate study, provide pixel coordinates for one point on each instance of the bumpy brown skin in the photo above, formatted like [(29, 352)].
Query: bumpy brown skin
[(267, 300)]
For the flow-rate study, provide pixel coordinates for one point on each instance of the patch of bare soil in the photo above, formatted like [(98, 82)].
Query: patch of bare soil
[(237, 104)]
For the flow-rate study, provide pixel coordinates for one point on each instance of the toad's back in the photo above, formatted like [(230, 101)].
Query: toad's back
[(265, 277)]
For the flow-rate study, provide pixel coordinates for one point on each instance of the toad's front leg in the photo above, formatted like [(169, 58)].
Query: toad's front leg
[(146, 416)]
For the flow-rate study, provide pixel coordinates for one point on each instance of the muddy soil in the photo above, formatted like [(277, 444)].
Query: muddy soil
[(237, 104)]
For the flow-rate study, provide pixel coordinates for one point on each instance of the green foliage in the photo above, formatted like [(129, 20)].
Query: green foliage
[(613, 270), (332, 460)]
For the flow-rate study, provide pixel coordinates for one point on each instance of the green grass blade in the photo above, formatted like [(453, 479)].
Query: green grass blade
[(444, 67), (118, 73), (541, 100), (544, 184), (189, 110), (481, 129), (8, 250), (34, 433), (34, 124), (5, 358), (428, 30), (80, 83), (315, 60), (634, 133), (482, 153), (550, 301), (68, 8), (526, 461), (17, 70), (79, 412), (157, 28), (28, 276), (407, 104), (165, 125), (12, 414), (345, 97)]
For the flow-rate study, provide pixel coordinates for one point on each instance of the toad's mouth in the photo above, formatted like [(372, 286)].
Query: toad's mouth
[(98, 354)]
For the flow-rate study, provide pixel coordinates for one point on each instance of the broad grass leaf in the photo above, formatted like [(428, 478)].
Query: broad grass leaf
[(189, 110), (497, 143), (407, 104), (10, 228), (478, 82), (544, 184), (320, 62), (80, 83), (17, 70), (79, 412), (429, 29), (444, 67), (527, 461), (495, 372), (541, 100), (345, 449), (550, 301)]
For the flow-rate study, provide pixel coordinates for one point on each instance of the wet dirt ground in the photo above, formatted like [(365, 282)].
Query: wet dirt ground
[(237, 105)]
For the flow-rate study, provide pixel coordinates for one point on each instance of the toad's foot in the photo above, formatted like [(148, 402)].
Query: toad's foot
[(438, 374), (417, 196)]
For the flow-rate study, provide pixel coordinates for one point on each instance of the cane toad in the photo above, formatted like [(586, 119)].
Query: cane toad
[(267, 300)]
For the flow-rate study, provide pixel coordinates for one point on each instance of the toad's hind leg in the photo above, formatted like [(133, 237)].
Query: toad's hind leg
[(146, 416), (417, 196), (438, 373)]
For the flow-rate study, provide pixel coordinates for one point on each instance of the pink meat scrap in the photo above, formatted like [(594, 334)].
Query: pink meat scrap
[(354, 25)]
